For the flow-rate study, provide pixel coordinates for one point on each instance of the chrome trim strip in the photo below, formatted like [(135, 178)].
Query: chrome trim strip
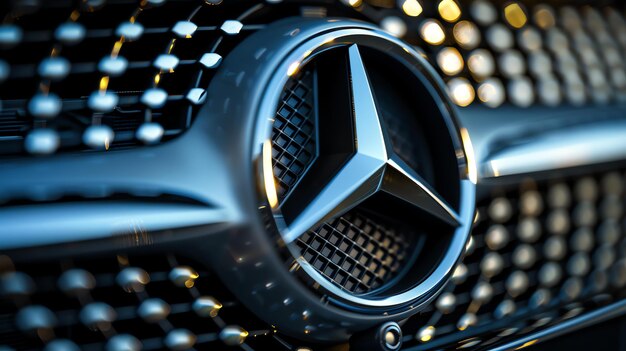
[(585, 320), (513, 141), (132, 222), (565, 148)]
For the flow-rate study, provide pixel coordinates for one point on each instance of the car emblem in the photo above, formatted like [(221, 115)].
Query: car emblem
[(374, 167), (364, 180)]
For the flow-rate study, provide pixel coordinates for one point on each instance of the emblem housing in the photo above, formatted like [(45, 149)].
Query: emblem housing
[(245, 93)]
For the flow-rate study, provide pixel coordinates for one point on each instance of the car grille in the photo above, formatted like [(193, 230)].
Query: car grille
[(135, 71), (155, 302), (356, 252), (539, 255), (293, 133), (521, 53), (109, 74)]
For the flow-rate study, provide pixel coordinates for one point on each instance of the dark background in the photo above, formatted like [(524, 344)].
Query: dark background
[(609, 336)]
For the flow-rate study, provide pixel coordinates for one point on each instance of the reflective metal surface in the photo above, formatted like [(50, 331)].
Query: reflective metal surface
[(539, 91)]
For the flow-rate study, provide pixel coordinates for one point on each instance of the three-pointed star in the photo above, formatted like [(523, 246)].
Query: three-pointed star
[(374, 167)]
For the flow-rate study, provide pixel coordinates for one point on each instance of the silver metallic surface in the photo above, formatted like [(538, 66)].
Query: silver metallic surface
[(130, 31), (153, 310), (210, 60), (42, 141), (113, 65), (45, 105), (35, 317), (98, 136), (184, 29), (150, 133), (497, 237), (231, 27), (550, 274), (182, 275), (206, 306), (154, 97), (373, 162), (102, 101), (76, 281), (233, 335), (132, 279), (180, 339), (446, 302), (166, 62), (54, 68), (123, 342), (530, 148), (492, 264), (504, 309), (196, 96), (97, 315), (10, 34), (70, 33), (15, 284), (517, 283)]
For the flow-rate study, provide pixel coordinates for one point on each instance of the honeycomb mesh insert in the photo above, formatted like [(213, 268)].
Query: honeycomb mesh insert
[(355, 252), (293, 134)]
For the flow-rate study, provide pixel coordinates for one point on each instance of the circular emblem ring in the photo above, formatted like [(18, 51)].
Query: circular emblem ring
[(372, 167)]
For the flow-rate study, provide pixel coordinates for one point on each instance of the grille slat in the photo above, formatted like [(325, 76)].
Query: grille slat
[(568, 267), (69, 308)]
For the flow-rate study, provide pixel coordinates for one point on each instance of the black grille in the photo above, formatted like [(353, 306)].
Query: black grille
[(42, 288), (293, 134), (356, 252), (571, 227), (38, 39)]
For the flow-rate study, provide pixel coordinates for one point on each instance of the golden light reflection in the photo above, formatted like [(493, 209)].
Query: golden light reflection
[(450, 61), (472, 171), (461, 91), (432, 32), (117, 47), (189, 283), (427, 334), (293, 68), (268, 175), (412, 8), (515, 15), (491, 92), (481, 63), (528, 343), (544, 17), (355, 3), (495, 170), (466, 34), (485, 91), (104, 83), (449, 10)]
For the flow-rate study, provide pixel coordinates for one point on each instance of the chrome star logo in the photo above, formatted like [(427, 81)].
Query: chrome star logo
[(371, 167)]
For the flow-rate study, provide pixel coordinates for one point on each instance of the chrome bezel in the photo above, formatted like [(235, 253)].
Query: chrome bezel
[(302, 53)]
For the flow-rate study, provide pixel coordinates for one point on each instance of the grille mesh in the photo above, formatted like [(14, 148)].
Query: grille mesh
[(43, 284), (293, 134), (355, 252), (538, 256), (63, 100)]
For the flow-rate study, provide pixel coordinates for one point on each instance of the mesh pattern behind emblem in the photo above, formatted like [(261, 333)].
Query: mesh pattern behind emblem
[(293, 134), (355, 252)]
